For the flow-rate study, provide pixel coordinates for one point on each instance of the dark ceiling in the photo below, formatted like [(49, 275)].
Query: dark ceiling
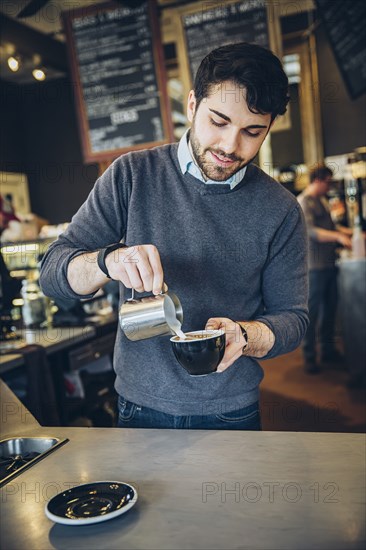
[(34, 28)]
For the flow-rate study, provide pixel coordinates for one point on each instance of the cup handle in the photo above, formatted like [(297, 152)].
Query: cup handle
[(163, 291)]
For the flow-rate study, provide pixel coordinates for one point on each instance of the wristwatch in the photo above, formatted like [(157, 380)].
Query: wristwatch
[(103, 253), (245, 336)]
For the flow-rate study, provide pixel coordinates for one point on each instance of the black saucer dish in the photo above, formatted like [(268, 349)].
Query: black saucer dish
[(202, 356), (91, 503)]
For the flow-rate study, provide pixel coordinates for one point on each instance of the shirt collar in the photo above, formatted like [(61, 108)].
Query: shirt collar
[(187, 164)]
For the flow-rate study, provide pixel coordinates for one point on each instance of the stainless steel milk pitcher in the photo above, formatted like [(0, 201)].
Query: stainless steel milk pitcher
[(150, 316)]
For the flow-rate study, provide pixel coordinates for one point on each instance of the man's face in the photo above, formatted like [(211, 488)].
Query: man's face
[(225, 136), (324, 185)]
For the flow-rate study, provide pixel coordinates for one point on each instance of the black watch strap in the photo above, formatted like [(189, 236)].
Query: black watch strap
[(245, 336), (103, 253)]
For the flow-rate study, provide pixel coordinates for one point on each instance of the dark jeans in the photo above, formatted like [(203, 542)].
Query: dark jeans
[(135, 416), (322, 312)]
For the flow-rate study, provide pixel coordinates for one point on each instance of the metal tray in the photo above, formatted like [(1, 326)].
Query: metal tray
[(25, 452)]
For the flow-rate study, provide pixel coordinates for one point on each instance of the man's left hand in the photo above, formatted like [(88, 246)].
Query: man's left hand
[(234, 340)]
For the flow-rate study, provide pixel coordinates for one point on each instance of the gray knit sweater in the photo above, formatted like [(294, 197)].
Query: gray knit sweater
[(237, 253)]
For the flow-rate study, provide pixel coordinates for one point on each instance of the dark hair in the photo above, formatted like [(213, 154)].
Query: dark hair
[(320, 172), (250, 66)]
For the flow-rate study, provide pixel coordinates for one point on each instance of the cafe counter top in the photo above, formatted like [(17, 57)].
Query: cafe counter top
[(51, 339), (197, 489)]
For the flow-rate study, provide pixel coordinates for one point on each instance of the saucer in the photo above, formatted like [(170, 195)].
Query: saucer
[(91, 503)]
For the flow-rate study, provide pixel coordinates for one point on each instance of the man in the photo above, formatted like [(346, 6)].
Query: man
[(324, 238), (229, 241)]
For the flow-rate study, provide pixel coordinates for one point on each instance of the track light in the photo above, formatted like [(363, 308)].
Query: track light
[(14, 63), (39, 74)]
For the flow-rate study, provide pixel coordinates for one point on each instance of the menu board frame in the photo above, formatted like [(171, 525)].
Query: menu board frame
[(348, 68), (274, 41), (89, 154), (218, 12), (273, 26)]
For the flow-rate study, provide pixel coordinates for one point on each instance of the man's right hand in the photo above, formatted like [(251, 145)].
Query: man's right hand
[(138, 267), (344, 240)]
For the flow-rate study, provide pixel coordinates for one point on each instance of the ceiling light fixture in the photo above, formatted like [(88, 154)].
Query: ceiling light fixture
[(39, 74), (14, 63)]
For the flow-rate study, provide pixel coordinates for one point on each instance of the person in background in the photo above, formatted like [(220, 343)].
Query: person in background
[(324, 239), (228, 239)]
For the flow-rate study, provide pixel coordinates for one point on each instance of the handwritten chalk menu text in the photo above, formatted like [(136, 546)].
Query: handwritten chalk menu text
[(116, 62), (224, 24), (345, 23)]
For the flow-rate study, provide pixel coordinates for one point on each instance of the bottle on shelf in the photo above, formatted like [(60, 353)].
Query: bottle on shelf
[(350, 191)]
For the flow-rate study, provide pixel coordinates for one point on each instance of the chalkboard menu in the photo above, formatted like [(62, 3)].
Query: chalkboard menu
[(345, 23), (224, 24), (120, 88)]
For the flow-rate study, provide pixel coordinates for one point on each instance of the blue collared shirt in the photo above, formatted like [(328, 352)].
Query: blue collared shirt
[(187, 164)]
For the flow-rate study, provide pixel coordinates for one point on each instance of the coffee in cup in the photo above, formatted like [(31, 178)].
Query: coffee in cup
[(189, 337), (200, 352)]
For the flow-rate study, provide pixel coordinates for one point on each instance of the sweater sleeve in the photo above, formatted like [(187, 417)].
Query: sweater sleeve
[(285, 285), (100, 221)]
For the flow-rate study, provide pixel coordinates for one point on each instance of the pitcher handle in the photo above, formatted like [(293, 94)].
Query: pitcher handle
[(132, 296), (163, 291)]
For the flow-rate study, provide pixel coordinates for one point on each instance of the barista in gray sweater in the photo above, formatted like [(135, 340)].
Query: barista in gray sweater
[(228, 240)]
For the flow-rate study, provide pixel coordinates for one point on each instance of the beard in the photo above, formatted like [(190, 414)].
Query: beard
[(208, 166)]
